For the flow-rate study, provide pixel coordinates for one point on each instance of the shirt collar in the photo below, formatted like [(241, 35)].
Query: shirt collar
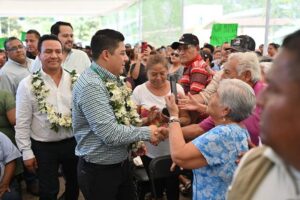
[(104, 72), (27, 64), (45, 75), (198, 57), (275, 158)]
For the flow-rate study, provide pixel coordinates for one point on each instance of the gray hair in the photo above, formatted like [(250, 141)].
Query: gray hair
[(247, 61), (238, 96)]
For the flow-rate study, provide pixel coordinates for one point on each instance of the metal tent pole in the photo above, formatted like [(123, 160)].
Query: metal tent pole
[(267, 26)]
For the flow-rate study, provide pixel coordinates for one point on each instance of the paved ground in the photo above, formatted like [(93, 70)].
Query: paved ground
[(27, 196)]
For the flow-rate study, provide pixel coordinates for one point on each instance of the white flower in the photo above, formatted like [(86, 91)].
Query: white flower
[(120, 96), (41, 92), (37, 83)]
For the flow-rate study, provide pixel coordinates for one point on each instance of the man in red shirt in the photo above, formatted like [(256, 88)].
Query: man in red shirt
[(195, 76)]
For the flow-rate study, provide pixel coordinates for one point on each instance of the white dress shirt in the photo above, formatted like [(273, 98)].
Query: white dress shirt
[(75, 60), (31, 123)]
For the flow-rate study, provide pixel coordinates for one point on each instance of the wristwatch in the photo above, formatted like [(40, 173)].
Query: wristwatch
[(174, 119)]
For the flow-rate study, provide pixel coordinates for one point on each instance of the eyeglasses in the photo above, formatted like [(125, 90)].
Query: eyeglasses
[(16, 48), (175, 54)]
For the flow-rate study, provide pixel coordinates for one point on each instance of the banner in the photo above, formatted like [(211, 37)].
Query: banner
[(221, 33), (23, 36), (2, 42)]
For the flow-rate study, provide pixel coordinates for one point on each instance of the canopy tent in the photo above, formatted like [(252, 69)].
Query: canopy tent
[(40, 8)]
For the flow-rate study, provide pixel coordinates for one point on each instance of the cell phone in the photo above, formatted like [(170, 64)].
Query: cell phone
[(173, 82), (165, 112), (144, 46)]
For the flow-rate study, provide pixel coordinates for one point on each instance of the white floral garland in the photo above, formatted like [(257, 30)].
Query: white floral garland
[(124, 108), (41, 92)]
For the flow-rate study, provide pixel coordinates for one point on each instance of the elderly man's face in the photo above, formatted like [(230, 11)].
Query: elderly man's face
[(280, 125), (230, 69), (187, 53)]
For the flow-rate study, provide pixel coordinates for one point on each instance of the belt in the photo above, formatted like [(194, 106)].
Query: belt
[(120, 164)]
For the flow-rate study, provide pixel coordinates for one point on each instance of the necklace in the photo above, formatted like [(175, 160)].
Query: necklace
[(124, 108), (41, 93)]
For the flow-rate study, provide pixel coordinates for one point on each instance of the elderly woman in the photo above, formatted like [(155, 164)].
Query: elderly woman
[(213, 154), (151, 97)]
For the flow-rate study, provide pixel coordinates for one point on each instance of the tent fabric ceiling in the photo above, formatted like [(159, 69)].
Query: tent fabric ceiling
[(47, 8)]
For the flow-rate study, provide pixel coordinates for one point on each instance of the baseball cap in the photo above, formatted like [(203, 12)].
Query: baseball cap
[(186, 38), (242, 43)]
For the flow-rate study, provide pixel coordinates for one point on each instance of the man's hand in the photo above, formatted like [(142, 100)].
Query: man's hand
[(191, 103), (156, 135), (31, 164), (3, 188)]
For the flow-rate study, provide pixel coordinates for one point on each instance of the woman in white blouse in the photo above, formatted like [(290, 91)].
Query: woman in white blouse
[(152, 93)]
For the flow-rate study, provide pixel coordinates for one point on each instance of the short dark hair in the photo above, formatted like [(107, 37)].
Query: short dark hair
[(292, 43), (210, 47), (55, 27), (8, 40), (105, 39), (276, 46), (35, 32), (47, 37), (2, 51)]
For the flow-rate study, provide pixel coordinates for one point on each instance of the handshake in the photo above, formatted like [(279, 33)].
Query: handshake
[(158, 134)]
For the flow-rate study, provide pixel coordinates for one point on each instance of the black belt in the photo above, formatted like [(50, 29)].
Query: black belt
[(55, 142), (103, 166)]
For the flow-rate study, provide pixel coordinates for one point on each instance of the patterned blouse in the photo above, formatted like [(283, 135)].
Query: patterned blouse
[(220, 146)]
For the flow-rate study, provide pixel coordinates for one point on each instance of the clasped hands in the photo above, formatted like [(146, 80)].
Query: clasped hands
[(157, 135)]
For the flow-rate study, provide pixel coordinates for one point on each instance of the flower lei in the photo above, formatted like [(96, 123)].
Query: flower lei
[(124, 108), (41, 92)]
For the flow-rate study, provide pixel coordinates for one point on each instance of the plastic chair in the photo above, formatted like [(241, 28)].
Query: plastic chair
[(160, 168), (142, 182)]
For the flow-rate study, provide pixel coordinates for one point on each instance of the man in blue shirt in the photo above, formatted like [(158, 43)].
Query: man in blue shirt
[(103, 135), (8, 155)]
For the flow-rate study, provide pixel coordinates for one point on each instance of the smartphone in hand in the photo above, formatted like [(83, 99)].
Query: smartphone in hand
[(144, 47), (173, 82)]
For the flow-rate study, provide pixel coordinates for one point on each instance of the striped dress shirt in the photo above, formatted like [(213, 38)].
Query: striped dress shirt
[(100, 139)]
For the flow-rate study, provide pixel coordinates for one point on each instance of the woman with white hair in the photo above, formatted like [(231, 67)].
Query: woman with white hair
[(213, 154)]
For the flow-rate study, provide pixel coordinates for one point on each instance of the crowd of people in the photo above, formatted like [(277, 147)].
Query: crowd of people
[(228, 113)]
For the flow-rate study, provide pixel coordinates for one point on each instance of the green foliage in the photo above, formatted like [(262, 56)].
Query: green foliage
[(10, 27)]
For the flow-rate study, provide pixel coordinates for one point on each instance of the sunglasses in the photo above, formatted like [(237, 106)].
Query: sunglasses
[(175, 54)]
